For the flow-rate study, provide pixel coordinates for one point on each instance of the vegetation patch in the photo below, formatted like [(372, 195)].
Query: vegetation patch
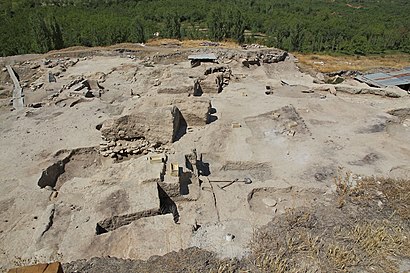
[(37, 26), (367, 228), (328, 63)]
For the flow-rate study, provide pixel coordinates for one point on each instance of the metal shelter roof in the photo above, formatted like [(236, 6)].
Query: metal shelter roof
[(396, 78), (210, 57)]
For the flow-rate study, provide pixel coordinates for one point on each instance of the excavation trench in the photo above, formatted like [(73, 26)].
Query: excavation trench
[(82, 162), (118, 221), (401, 113), (167, 205)]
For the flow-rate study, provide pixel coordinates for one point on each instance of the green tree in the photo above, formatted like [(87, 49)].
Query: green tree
[(296, 37), (41, 35), (236, 25), (6, 8), (215, 26), (172, 27), (56, 34), (138, 32)]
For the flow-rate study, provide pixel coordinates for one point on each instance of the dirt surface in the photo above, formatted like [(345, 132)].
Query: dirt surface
[(360, 228), (132, 153)]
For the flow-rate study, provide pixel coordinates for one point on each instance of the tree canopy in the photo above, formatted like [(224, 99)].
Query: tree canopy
[(342, 26)]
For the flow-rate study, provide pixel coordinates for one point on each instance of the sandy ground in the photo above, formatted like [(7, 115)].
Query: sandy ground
[(291, 144)]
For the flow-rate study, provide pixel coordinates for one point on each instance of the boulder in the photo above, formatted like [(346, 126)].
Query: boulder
[(335, 80), (212, 83), (216, 69), (95, 85), (195, 111), (160, 125), (387, 92), (35, 66)]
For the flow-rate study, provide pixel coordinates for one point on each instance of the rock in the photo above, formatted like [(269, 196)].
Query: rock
[(74, 82), (157, 125), (196, 112), (216, 69), (38, 85), (89, 94), (392, 92), (269, 202), (292, 124), (35, 105), (320, 77), (212, 84), (245, 63), (95, 85), (81, 85), (332, 90), (395, 92), (45, 222), (35, 66), (111, 143), (252, 61), (116, 149), (49, 188), (327, 88), (275, 57), (335, 80), (51, 77), (157, 82)]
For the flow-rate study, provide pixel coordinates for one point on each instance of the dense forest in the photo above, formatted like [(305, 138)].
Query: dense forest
[(338, 26)]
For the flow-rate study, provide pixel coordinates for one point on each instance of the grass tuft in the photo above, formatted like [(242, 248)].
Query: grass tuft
[(367, 229)]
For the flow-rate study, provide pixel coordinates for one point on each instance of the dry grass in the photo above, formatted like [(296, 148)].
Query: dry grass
[(367, 229), (393, 194), (326, 63), (227, 266), (377, 243)]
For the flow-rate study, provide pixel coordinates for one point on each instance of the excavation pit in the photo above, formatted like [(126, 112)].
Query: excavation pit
[(82, 162), (166, 206)]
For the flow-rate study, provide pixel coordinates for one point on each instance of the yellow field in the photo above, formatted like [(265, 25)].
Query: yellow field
[(326, 63)]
